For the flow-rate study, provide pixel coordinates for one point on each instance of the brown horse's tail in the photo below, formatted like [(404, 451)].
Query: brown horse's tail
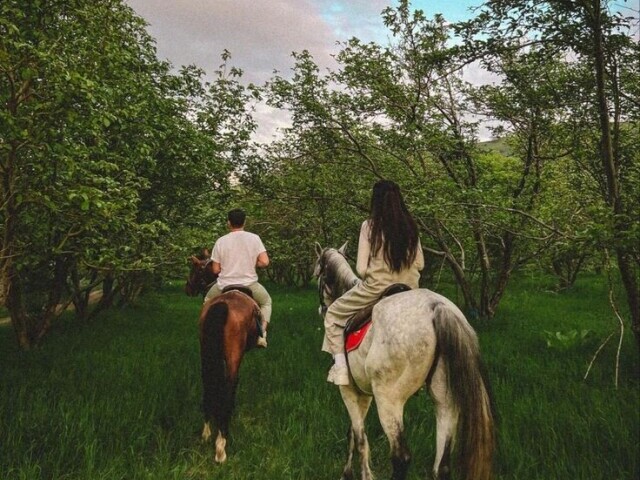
[(476, 436), (217, 395)]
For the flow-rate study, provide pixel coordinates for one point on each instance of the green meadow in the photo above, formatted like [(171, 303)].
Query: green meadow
[(119, 398)]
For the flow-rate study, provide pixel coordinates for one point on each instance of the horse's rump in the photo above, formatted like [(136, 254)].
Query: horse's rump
[(244, 316)]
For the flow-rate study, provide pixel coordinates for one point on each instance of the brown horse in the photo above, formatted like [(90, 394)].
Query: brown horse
[(201, 276), (228, 328)]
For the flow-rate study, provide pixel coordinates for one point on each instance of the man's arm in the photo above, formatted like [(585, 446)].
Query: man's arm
[(216, 268), (263, 260)]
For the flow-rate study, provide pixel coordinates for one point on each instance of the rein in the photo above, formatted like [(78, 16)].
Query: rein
[(329, 290), (210, 284)]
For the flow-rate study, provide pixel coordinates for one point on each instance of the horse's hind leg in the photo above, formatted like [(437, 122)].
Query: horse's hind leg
[(357, 406), (221, 442), (390, 410), (446, 422), (226, 411), (347, 472)]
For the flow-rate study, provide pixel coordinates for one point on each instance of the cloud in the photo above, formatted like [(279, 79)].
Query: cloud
[(261, 35)]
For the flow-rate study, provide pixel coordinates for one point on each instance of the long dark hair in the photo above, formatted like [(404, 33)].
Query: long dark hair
[(392, 227)]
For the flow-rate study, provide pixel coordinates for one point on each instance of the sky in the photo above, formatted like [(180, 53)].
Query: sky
[(261, 35)]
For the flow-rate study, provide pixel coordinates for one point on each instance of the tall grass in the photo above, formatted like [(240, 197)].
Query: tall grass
[(120, 398)]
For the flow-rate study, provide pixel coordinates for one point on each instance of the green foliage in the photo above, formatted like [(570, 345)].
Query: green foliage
[(108, 159), (114, 168), (567, 340)]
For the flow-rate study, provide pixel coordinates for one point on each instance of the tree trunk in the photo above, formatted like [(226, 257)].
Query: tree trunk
[(614, 199)]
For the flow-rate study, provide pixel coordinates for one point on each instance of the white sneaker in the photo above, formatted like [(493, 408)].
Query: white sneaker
[(339, 375)]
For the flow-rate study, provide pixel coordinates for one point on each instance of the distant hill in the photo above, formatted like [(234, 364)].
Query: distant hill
[(498, 145)]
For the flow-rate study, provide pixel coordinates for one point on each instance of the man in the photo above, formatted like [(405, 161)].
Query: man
[(235, 257)]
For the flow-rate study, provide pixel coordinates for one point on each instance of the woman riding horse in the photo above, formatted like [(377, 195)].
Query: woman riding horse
[(389, 252), (416, 339)]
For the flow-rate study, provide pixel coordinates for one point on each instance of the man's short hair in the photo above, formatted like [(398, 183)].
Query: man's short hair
[(236, 217)]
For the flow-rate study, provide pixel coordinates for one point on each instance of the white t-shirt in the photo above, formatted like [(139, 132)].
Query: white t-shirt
[(237, 252)]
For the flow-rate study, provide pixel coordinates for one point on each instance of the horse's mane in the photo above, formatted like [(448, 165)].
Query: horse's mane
[(338, 272)]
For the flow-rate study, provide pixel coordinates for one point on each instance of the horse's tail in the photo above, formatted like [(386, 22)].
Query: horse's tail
[(457, 344), (217, 393)]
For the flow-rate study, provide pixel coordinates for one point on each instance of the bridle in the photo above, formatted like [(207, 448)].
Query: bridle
[(324, 289), (200, 285)]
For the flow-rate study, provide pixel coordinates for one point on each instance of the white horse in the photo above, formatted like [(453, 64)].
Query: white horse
[(417, 337)]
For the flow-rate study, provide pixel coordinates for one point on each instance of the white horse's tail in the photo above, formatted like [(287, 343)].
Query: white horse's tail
[(457, 345)]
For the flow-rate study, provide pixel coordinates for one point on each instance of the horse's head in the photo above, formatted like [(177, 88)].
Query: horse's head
[(201, 276), (333, 273)]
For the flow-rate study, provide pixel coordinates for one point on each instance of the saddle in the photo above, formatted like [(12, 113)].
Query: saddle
[(241, 288), (247, 291), (358, 325)]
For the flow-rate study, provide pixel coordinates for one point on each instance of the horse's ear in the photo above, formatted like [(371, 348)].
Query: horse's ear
[(343, 248), (318, 249), (194, 260)]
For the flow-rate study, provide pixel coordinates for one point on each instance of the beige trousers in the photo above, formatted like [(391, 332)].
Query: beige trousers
[(341, 310), (360, 296)]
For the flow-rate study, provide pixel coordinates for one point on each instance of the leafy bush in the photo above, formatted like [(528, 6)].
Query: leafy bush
[(567, 340)]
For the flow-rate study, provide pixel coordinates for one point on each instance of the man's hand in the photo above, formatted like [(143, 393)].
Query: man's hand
[(263, 260)]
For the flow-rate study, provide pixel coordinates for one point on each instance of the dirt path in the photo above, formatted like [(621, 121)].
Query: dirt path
[(93, 298)]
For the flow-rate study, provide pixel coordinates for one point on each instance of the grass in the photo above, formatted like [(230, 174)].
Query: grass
[(119, 398)]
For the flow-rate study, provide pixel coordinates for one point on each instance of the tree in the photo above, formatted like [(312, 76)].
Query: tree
[(399, 112), (107, 160), (68, 99), (603, 107)]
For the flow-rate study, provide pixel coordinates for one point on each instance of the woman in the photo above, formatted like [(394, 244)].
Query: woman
[(389, 252)]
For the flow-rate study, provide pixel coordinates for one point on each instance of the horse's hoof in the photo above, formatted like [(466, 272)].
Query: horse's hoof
[(206, 432), (347, 475), (221, 453)]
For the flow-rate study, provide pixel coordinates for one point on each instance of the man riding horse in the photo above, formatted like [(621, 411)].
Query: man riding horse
[(235, 258)]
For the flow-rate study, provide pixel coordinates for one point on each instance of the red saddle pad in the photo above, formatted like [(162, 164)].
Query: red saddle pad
[(354, 339)]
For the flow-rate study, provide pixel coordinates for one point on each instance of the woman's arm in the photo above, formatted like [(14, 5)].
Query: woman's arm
[(364, 249), (419, 261)]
